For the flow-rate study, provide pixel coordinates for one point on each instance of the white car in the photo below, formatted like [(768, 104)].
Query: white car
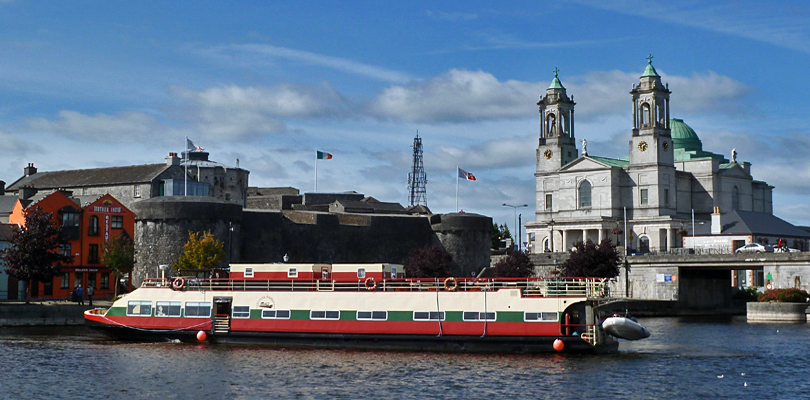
[(755, 248), (785, 250)]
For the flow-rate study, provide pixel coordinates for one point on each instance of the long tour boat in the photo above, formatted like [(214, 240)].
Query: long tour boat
[(370, 306)]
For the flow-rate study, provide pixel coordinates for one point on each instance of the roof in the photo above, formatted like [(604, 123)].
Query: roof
[(613, 162), (555, 83), (683, 136), (90, 177), (753, 223), (650, 70), (7, 204)]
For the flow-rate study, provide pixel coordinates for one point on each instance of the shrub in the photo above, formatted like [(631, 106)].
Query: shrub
[(516, 264), (746, 294), (428, 262), (791, 295)]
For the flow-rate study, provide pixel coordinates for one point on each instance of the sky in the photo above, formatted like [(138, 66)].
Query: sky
[(89, 84)]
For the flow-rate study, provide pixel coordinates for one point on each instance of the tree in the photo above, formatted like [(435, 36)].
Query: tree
[(589, 260), (201, 251), (34, 253), (428, 262), (516, 264), (499, 234), (119, 256)]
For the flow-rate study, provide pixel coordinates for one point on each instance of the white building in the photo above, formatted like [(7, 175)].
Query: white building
[(666, 178)]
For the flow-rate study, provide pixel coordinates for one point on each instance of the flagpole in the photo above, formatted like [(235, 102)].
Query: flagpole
[(185, 164), (316, 172), (457, 188)]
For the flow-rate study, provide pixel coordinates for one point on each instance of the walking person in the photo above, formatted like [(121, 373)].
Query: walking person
[(80, 295), (90, 296)]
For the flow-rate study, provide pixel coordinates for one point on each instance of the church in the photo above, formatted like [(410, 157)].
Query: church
[(647, 201)]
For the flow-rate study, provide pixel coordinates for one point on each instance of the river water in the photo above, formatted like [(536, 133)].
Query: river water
[(715, 358)]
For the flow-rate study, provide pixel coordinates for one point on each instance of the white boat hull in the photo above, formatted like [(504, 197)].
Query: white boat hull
[(625, 328)]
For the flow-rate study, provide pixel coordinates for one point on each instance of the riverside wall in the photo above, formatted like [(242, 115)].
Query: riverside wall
[(41, 314)]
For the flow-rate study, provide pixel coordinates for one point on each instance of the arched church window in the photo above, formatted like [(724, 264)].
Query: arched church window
[(644, 244), (645, 114), (584, 194), (564, 129), (552, 125), (735, 198)]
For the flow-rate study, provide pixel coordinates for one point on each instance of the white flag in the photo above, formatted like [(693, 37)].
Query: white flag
[(191, 146)]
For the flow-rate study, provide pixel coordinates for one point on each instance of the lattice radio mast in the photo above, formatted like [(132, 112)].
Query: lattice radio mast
[(417, 179)]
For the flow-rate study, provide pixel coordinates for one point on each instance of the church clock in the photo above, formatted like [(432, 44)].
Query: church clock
[(642, 146), (547, 154)]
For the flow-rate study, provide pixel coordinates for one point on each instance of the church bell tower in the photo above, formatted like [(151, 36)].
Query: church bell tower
[(557, 146), (651, 143)]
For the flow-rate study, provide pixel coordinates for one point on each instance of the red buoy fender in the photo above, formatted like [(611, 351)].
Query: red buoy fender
[(178, 283), (450, 284), (371, 283), (558, 345)]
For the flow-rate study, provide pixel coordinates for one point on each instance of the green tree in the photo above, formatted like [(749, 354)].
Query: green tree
[(428, 262), (201, 251), (34, 253), (119, 256), (516, 264), (589, 260), (499, 234)]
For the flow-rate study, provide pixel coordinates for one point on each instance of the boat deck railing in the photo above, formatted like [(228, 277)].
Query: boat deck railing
[(541, 287)]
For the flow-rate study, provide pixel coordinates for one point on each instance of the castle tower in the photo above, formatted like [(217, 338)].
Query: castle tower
[(557, 146)]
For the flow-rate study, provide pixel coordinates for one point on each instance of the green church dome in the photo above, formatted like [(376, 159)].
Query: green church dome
[(683, 136)]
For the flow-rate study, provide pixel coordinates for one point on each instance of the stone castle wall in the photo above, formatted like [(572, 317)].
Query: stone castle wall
[(163, 223)]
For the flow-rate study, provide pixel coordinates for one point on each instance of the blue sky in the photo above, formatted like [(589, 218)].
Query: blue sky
[(87, 84)]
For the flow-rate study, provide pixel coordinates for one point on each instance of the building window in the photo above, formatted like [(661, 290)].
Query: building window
[(105, 281), (78, 280), (65, 280), (167, 308), (70, 219), (92, 254), (666, 197), (136, 190), (248, 272), (118, 222), (548, 202), (735, 198), (92, 230), (643, 196), (91, 280), (64, 249), (241, 312), (584, 194), (292, 273), (275, 314), (644, 245)]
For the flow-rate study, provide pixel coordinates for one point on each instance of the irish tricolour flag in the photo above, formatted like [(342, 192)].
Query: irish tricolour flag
[(324, 156)]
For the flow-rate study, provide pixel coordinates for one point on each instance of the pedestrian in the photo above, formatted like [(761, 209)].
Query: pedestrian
[(80, 295), (90, 295)]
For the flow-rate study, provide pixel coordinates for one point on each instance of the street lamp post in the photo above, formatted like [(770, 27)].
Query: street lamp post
[(551, 236), (517, 228)]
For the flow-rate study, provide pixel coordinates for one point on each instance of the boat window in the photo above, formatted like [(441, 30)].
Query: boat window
[(167, 308), (276, 314), (319, 314), (248, 272), (393, 272), (540, 316), (361, 273), (372, 315), (292, 273), (478, 316), (139, 308), (241, 311), (198, 309), (428, 315)]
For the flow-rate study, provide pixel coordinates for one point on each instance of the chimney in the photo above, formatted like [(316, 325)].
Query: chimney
[(29, 170), (172, 159), (717, 228), (2, 188), (26, 192)]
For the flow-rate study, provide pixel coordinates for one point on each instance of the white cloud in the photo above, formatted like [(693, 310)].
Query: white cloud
[(128, 126), (458, 95), (336, 63)]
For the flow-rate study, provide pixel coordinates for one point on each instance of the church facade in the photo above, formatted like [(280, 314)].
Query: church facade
[(646, 201)]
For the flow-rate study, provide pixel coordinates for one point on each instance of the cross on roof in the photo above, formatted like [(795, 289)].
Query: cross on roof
[(555, 71), (649, 59)]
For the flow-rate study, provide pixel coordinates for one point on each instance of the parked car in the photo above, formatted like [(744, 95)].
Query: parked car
[(755, 248), (786, 250)]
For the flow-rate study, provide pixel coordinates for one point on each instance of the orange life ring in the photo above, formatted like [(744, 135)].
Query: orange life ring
[(371, 283), (447, 284), (178, 283)]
